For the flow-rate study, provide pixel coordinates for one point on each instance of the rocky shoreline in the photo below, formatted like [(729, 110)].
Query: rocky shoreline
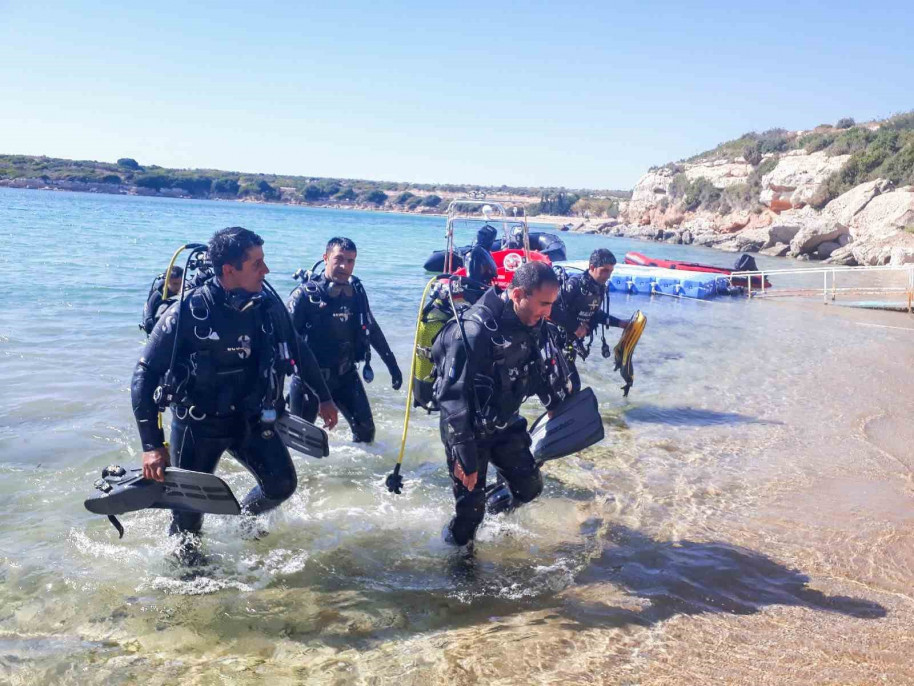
[(870, 224)]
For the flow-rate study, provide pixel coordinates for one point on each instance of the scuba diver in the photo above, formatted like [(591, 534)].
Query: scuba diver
[(155, 303), (218, 358), (330, 311), (488, 361), (580, 309)]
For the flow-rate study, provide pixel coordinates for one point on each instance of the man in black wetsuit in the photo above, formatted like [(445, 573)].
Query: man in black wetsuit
[(155, 304), (231, 343), (330, 311), (578, 310), (486, 368)]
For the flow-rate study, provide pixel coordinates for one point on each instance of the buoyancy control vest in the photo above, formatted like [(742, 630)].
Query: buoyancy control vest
[(335, 328), (234, 359), (521, 360)]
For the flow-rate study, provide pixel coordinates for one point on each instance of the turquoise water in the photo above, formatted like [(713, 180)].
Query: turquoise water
[(752, 457)]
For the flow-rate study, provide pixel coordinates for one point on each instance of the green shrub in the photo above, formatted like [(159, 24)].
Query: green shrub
[(752, 155), (701, 194), (850, 141), (376, 197), (346, 195), (313, 193), (414, 202), (403, 197), (431, 201), (154, 181), (845, 123), (679, 186), (128, 163), (815, 142), (226, 186), (107, 178)]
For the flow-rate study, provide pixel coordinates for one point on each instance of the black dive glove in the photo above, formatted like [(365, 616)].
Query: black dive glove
[(465, 453), (396, 376)]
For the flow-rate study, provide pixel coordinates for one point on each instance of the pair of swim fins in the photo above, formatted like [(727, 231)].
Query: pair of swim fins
[(625, 348), (575, 424), (125, 490)]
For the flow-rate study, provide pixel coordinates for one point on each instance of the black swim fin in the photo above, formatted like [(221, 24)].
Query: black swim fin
[(302, 436), (125, 490), (576, 424)]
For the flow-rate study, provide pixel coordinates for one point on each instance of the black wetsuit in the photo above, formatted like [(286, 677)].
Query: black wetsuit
[(580, 300), (480, 398), (229, 364), (337, 324)]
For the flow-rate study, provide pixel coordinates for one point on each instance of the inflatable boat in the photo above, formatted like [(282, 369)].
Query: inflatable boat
[(547, 244), (745, 263)]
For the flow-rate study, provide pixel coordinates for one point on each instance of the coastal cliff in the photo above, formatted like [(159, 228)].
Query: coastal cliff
[(843, 194)]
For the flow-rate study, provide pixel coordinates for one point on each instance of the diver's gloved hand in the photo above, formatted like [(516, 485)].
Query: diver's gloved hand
[(328, 413), (396, 376), (154, 463)]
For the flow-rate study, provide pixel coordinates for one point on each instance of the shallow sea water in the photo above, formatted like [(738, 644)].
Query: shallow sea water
[(748, 518)]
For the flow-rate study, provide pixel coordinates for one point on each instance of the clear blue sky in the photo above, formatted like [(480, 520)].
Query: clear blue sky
[(575, 94)]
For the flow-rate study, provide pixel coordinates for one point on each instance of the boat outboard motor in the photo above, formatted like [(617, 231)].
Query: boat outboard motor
[(745, 263), (481, 265), (550, 245)]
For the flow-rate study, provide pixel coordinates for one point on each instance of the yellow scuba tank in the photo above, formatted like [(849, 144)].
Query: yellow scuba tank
[(625, 348), (435, 314)]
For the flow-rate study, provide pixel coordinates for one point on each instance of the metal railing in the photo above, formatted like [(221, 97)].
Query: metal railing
[(828, 291)]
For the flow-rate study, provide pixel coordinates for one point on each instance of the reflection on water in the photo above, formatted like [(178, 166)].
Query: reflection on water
[(751, 499)]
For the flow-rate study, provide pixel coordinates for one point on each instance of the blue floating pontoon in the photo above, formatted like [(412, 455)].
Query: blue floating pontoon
[(638, 280)]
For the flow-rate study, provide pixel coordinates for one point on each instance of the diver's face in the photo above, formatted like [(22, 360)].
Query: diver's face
[(251, 275), (339, 264), (174, 285), (532, 308), (601, 274)]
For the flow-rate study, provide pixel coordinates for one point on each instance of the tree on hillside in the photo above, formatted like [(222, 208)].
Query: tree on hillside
[(313, 193), (154, 181), (403, 197), (128, 163), (431, 201), (226, 186), (345, 195), (267, 191), (377, 197)]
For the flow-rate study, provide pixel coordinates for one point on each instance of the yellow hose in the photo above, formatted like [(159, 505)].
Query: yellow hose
[(174, 258), (412, 371), (171, 264)]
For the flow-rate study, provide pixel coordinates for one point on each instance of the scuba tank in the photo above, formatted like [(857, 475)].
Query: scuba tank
[(449, 299), (437, 312)]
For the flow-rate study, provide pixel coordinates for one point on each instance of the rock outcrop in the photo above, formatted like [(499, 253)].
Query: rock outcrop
[(796, 178), (872, 223)]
